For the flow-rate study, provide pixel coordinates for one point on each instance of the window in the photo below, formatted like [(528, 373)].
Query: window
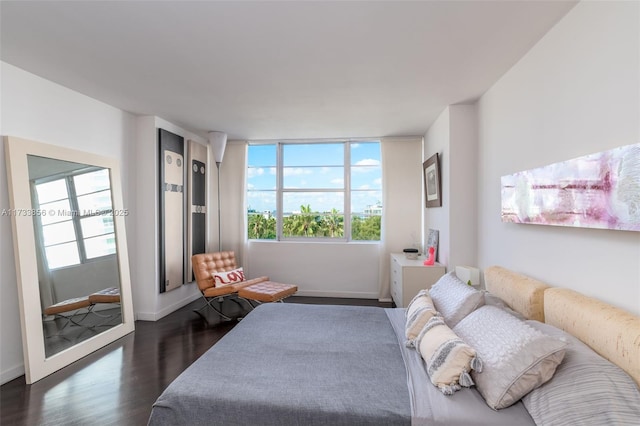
[(76, 219), (314, 190)]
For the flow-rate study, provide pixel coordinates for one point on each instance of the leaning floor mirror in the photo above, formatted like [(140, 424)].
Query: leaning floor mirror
[(71, 253)]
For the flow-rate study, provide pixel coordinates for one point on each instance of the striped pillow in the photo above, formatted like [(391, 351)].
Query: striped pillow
[(585, 389), (420, 310), (449, 360)]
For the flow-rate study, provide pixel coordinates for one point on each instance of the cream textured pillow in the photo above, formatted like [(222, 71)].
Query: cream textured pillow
[(419, 311), (454, 299), (516, 357), (449, 360), (221, 279)]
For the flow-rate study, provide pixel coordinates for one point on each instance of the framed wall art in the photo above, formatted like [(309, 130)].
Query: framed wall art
[(593, 191), (197, 174), (432, 182), (171, 210)]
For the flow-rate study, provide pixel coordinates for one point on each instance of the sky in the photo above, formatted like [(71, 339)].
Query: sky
[(314, 166)]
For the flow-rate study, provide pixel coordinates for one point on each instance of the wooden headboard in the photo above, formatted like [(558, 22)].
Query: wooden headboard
[(521, 293)]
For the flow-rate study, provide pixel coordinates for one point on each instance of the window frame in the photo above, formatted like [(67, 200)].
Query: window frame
[(75, 214), (280, 190)]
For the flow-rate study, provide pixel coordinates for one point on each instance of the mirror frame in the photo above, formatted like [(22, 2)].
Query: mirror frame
[(37, 366)]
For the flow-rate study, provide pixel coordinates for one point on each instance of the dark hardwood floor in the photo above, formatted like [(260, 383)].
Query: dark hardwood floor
[(117, 384)]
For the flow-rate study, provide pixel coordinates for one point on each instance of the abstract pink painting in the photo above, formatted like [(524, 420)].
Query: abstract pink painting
[(595, 191)]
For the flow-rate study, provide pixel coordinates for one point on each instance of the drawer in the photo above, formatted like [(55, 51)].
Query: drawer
[(409, 276), (396, 291), (394, 295)]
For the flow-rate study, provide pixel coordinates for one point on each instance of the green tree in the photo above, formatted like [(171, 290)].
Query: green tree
[(304, 224), (332, 224), (366, 229), (261, 227), (309, 223)]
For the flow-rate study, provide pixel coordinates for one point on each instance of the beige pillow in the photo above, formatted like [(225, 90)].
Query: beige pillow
[(449, 360), (516, 357), (419, 311)]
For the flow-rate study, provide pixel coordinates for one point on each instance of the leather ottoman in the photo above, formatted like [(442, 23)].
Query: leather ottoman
[(267, 291)]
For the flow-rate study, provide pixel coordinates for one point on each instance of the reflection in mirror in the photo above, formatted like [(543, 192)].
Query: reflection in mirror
[(78, 272), (70, 246)]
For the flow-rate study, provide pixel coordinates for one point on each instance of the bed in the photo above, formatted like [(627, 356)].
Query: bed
[(290, 364)]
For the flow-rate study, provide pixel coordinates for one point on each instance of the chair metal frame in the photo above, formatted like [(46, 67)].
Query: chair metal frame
[(70, 319), (220, 300)]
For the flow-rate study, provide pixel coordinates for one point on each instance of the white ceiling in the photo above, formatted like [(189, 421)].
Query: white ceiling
[(267, 70)]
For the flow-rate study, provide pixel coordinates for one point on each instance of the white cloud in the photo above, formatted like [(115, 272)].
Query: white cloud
[(368, 162), (377, 182), (254, 171), (339, 181), (296, 171)]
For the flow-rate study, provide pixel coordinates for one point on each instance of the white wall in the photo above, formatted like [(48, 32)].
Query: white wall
[(36, 109), (318, 269), (454, 137), (150, 305), (576, 92), (436, 140), (86, 278)]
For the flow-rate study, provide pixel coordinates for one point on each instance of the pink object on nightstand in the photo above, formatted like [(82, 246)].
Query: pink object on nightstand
[(431, 258)]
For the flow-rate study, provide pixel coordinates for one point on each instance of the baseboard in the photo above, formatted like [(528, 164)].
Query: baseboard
[(11, 373), (346, 294), (155, 316)]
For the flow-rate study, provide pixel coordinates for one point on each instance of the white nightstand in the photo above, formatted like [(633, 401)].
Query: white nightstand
[(408, 277)]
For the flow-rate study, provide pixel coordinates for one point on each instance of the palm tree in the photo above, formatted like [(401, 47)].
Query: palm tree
[(258, 225), (288, 225), (304, 224), (332, 224)]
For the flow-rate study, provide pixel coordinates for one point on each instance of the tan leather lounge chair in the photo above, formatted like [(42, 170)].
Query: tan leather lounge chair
[(205, 266)]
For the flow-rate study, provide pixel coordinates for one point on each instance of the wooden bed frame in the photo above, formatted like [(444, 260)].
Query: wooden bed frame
[(612, 332)]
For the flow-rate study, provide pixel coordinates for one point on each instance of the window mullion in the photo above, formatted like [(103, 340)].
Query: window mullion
[(347, 191), (75, 217), (279, 192)]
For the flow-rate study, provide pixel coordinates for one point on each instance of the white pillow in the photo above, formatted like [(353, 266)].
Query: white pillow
[(454, 299), (516, 357), (223, 278)]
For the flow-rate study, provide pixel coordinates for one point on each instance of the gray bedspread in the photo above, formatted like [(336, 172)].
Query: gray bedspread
[(289, 364)]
